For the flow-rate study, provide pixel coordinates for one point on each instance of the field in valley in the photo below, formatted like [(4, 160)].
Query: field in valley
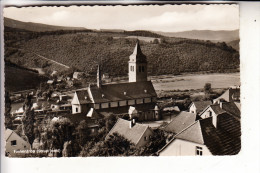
[(195, 81)]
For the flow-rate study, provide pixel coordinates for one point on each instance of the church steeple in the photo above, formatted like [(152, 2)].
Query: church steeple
[(99, 80), (137, 55), (137, 65)]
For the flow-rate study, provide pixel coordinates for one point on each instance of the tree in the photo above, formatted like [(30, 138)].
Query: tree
[(57, 133), (28, 119), (207, 88), (82, 133), (67, 149), (8, 117), (110, 122), (115, 145), (155, 41), (157, 141)]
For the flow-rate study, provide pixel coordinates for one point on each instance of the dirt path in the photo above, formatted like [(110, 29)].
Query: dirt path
[(51, 60), (63, 65)]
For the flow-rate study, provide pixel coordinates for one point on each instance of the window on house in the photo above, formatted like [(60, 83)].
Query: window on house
[(77, 109), (210, 114), (142, 68), (13, 142), (198, 151), (145, 138), (133, 68)]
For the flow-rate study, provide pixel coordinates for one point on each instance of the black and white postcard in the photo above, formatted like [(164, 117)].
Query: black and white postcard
[(84, 81)]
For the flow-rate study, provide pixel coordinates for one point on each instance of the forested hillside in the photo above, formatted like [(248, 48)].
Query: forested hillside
[(18, 78), (84, 49)]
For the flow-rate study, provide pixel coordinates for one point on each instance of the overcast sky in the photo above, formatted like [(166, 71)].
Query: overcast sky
[(168, 18)]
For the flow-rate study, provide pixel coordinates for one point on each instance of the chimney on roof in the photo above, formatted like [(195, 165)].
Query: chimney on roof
[(215, 120), (132, 123), (221, 104)]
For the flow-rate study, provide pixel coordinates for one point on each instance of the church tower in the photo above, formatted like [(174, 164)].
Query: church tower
[(99, 80), (137, 65)]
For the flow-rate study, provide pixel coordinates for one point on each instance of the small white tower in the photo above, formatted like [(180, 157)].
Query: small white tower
[(99, 79), (137, 65)]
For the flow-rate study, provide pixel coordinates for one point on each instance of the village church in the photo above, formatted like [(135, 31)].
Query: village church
[(137, 97)]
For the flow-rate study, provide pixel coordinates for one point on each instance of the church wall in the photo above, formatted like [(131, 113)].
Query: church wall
[(122, 103), (76, 109), (139, 101), (147, 100), (132, 72), (97, 106), (154, 99), (104, 105), (131, 102), (114, 104)]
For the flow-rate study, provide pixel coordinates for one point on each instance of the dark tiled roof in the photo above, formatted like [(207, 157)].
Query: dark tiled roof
[(223, 140), (231, 108), (124, 109), (83, 96), (133, 134), (137, 55), (192, 133), (145, 107), (217, 109), (227, 107), (93, 114), (77, 118), (180, 122), (201, 105), (122, 91)]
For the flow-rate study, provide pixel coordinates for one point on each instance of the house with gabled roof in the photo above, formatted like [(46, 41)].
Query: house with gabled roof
[(230, 95), (180, 122), (220, 135), (221, 107), (118, 97), (138, 134), (14, 143), (80, 102), (198, 106)]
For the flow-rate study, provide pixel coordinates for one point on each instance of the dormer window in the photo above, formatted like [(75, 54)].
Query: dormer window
[(103, 95)]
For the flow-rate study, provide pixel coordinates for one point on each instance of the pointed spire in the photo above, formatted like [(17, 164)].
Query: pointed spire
[(137, 49), (138, 55)]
